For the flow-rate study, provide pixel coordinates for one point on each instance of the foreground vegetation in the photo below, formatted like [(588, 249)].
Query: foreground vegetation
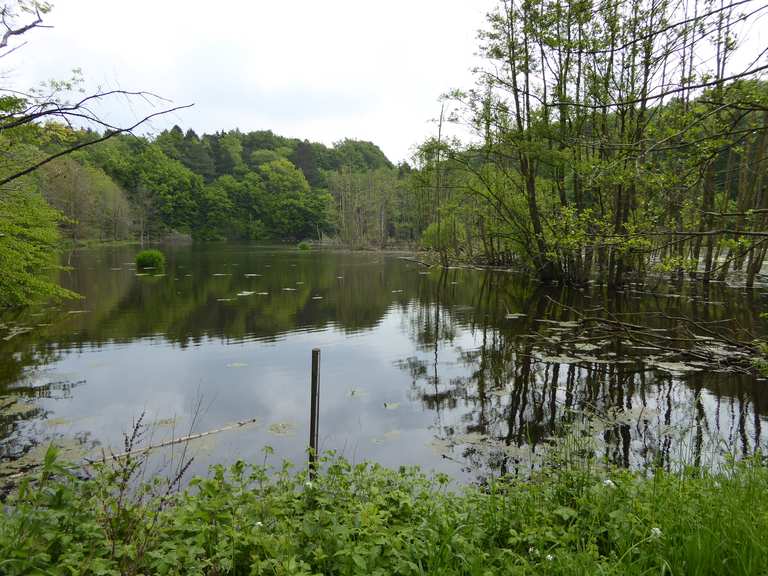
[(365, 519)]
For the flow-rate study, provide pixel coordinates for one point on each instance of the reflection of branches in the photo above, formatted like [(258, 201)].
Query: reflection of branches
[(519, 390), (699, 335)]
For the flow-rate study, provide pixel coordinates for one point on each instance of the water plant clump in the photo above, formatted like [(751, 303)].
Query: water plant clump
[(150, 259), (304, 245), (367, 519)]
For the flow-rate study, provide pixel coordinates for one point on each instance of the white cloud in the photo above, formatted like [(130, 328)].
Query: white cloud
[(318, 70)]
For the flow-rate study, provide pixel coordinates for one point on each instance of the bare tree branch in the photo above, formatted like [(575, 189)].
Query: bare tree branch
[(10, 31), (106, 136)]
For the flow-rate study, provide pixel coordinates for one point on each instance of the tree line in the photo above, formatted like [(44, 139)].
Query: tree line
[(611, 140), (227, 185)]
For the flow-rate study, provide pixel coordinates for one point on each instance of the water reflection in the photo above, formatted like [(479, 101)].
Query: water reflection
[(466, 371)]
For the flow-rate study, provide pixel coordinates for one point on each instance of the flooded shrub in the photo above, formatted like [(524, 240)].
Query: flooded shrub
[(304, 245), (150, 259)]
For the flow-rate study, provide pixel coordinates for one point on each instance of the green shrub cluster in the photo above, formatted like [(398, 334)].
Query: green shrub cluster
[(366, 519), (304, 245), (150, 259)]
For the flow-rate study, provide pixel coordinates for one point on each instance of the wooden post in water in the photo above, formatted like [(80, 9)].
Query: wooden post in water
[(314, 412)]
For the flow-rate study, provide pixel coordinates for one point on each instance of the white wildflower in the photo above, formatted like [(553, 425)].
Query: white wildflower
[(308, 484), (259, 524), (532, 551), (609, 483), (550, 557), (655, 533)]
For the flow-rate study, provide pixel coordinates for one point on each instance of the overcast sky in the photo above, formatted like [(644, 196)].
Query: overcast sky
[(322, 70)]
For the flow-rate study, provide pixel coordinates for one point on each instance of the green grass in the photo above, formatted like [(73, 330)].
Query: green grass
[(150, 259), (365, 519)]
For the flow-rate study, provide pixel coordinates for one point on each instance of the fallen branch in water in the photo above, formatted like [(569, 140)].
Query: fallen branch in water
[(171, 442), (408, 259), (106, 458)]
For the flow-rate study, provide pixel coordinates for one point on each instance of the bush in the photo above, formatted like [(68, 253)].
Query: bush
[(304, 245), (150, 259)]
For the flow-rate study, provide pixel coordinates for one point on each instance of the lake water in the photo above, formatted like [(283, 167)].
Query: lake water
[(463, 371)]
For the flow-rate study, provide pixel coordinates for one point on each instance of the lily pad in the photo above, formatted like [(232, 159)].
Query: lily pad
[(586, 347), (471, 438), (596, 360), (674, 368), (282, 428), (440, 446), (55, 422), (16, 331), (560, 323), (17, 407), (560, 359), (165, 423)]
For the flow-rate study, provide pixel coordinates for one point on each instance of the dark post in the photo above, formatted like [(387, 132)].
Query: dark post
[(314, 412)]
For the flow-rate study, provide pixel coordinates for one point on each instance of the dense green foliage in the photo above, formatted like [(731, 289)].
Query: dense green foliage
[(233, 185), (28, 238), (150, 259), (365, 519), (28, 225), (610, 139)]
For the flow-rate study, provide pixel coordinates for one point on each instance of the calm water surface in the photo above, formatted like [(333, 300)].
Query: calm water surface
[(463, 371)]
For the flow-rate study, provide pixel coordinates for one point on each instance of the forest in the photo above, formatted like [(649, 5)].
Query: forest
[(601, 150), (228, 185), (608, 141)]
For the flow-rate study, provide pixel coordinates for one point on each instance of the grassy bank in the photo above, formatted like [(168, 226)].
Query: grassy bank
[(365, 519)]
